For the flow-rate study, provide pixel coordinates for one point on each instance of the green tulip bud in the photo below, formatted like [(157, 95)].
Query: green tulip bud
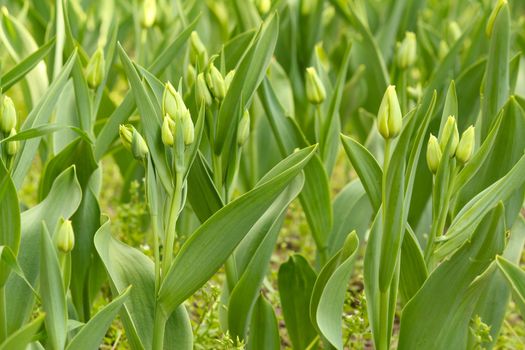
[(191, 74), (389, 118), (7, 115), (466, 145), (433, 154), (201, 91), (167, 135), (493, 16), (263, 6), (450, 130), (139, 148), (12, 146), (315, 91), (198, 52), (126, 135), (228, 79), (172, 102), (243, 130), (188, 129), (148, 13), (453, 32), (406, 55), (95, 69), (65, 237), (443, 49), (215, 82)]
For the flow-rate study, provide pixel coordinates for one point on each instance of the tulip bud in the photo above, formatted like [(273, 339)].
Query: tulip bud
[(172, 102), (443, 49), (7, 115), (228, 79), (95, 69), (263, 6), (406, 55), (433, 154), (315, 91), (148, 13), (188, 129), (65, 237), (389, 118), (453, 32), (190, 75), (243, 130), (215, 82), (198, 52), (450, 130), (12, 146), (139, 148), (201, 91), (167, 135), (126, 134), (466, 145)]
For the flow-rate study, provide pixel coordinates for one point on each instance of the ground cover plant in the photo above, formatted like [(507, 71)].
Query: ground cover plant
[(262, 174)]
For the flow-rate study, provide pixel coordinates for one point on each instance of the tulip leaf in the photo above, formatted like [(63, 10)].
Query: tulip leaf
[(221, 233), (264, 329), (515, 276), (24, 335), (91, 334)]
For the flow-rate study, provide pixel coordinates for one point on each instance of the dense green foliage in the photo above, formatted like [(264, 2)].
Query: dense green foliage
[(262, 174)]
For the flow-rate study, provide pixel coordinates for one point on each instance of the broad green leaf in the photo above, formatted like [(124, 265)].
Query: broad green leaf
[(52, 292), (296, 281), (253, 256), (9, 213), (35, 132), (352, 211), (109, 132), (24, 335), (496, 84), (333, 291), (19, 71), (62, 201), (413, 269), (91, 334), (221, 233), (264, 334), (474, 211), (39, 115), (515, 276), (451, 291), (366, 167), (128, 266)]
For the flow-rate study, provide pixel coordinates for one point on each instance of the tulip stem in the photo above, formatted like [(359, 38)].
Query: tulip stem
[(159, 327), (172, 223), (3, 320)]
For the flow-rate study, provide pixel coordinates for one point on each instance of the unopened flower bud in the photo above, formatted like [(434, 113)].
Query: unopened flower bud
[(243, 130), (389, 118), (450, 130), (406, 55), (12, 146), (65, 236), (198, 52), (7, 115), (315, 91), (95, 69), (148, 13), (166, 134), (228, 79), (433, 154), (215, 82), (126, 134), (201, 91), (139, 148), (172, 102), (188, 129), (191, 75), (466, 145), (263, 6), (453, 32), (443, 49)]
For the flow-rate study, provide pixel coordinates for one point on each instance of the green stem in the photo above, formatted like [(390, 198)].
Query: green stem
[(383, 321), (3, 314), (217, 172), (159, 328), (172, 223)]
